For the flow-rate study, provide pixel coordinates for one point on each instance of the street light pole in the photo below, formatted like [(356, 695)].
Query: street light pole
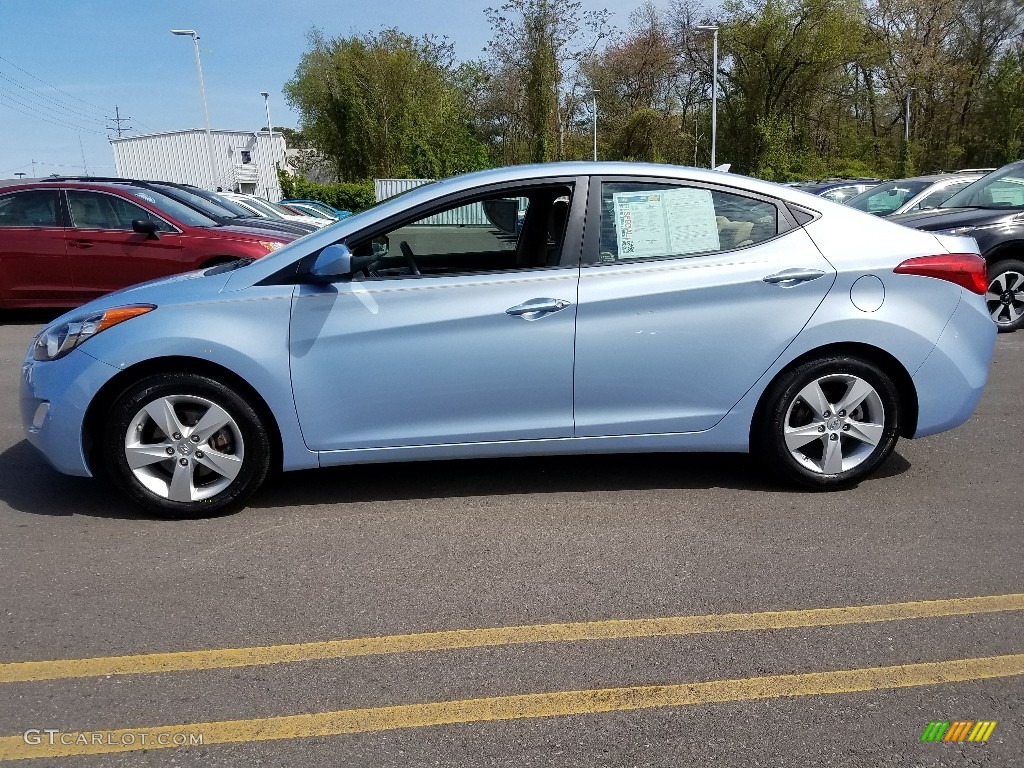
[(714, 86), (270, 130), (593, 95), (206, 113)]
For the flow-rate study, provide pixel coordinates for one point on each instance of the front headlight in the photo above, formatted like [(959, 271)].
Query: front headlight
[(56, 341), (271, 245)]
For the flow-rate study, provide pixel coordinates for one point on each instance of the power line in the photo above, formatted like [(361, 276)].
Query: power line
[(68, 108), (73, 111), (50, 85), (17, 167), (34, 113)]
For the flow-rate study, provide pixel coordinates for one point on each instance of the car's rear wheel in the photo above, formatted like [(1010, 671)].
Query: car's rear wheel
[(1005, 295), (828, 423), (185, 446)]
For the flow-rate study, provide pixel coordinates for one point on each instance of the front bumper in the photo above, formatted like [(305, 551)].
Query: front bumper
[(54, 398), (950, 381)]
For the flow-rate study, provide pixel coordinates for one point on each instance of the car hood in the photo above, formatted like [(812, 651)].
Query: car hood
[(254, 233), (950, 218), (270, 225), (183, 288)]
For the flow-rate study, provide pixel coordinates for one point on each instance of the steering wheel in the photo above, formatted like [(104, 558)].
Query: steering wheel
[(410, 261)]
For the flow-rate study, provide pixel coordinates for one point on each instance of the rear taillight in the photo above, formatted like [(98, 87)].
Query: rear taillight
[(964, 269)]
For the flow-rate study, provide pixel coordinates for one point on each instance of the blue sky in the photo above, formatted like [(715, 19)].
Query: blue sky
[(102, 53)]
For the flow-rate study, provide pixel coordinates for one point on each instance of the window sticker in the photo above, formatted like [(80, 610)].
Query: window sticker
[(665, 223)]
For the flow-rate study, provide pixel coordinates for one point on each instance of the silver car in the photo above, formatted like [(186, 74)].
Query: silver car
[(552, 309), (920, 193)]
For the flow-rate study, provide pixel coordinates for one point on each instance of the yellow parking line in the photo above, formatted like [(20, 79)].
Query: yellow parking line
[(181, 661), (534, 705)]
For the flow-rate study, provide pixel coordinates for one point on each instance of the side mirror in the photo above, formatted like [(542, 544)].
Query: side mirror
[(145, 227), (332, 264)]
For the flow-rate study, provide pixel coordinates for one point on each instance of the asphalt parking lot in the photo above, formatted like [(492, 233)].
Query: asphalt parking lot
[(322, 626)]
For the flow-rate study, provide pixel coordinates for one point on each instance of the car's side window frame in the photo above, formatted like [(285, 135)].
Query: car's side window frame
[(786, 223), (59, 213), (173, 228), (572, 240)]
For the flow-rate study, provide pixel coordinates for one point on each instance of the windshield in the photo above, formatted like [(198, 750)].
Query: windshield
[(183, 213), (1000, 189), (193, 200), (229, 205), (277, 209), (887, 197), (311, 209), (262, 207)]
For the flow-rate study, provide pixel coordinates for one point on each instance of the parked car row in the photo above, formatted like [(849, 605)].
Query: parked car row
[(910, 195), (65, 241), (315, 208), (265, 209), (836, 190), (69, 239)]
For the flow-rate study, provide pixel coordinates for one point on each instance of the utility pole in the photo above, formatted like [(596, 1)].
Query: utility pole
[(117, 120), (85, 165)]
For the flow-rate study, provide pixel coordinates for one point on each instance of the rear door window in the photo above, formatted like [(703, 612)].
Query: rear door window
[(30, 208), (650, 220)]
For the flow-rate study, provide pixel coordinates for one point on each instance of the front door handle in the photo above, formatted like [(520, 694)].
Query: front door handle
[(787, 278), (535, 308), (81, 243)]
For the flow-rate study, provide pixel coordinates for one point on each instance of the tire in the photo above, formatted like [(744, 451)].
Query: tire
[(211, 468), (1005, 295), (801, 435)]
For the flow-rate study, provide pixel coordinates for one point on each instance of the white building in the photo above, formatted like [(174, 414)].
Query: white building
[(243, 161)]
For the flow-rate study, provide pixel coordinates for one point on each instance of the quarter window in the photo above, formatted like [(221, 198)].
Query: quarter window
[(649, 221), (31, 208)]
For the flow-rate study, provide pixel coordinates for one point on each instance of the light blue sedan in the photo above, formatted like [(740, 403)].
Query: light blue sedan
[(555, 309)]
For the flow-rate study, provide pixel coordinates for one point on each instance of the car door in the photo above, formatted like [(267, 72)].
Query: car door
[(476, 347), (688, 294), (105, 253), (34, 266)]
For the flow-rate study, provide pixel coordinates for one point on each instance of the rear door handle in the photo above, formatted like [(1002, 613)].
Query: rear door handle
[(535, 308), (787, 278)]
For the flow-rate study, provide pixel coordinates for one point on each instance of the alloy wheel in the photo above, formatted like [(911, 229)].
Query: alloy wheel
[(834, 424), (184, 448), (1005, 297)]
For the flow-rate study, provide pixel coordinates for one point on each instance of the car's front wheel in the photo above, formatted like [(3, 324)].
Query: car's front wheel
[(828, 423), (1005, 295), (185, 446)]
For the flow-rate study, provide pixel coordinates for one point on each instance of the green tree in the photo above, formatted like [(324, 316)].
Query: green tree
[(530, 89), (385, 105)]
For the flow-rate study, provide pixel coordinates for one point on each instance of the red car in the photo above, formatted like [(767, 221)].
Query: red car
[(63, 243)]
